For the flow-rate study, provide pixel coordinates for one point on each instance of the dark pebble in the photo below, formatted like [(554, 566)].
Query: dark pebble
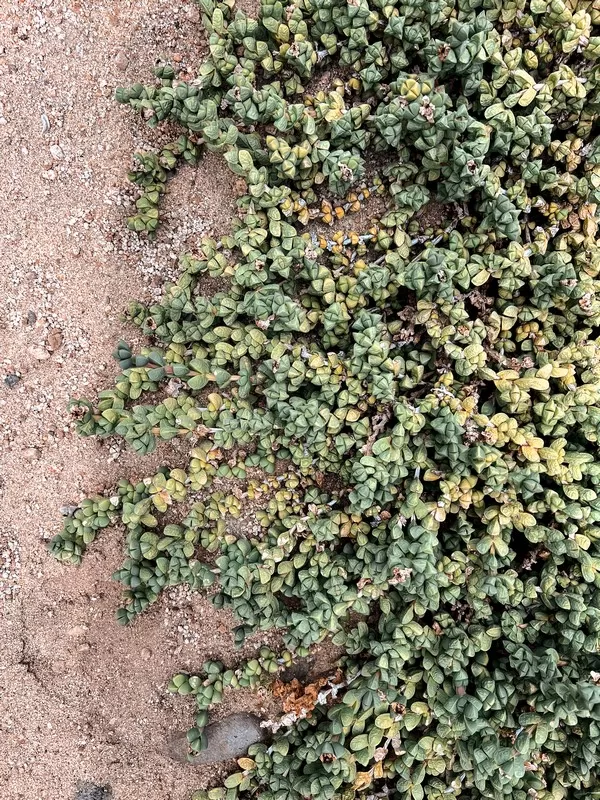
[(11, 380), (91, 791)]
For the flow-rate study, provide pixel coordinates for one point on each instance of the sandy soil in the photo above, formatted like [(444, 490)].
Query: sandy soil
[(82, 699)]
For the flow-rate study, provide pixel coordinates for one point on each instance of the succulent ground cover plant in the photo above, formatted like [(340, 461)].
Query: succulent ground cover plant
[(447, 376)]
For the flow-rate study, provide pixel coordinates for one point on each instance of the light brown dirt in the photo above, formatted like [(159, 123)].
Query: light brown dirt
[(82, 699)]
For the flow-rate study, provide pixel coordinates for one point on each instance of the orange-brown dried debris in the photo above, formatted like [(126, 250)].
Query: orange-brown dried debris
[(297, 698)]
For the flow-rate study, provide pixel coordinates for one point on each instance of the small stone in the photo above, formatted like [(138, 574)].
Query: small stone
[(192, 13), (31, 317), (84, 647), (146, 654), (11, 380), (56, 152), (121, 60), (77, 631), (227, 739), (38, 352), (31, 454), (92, 791), (54, 340)]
